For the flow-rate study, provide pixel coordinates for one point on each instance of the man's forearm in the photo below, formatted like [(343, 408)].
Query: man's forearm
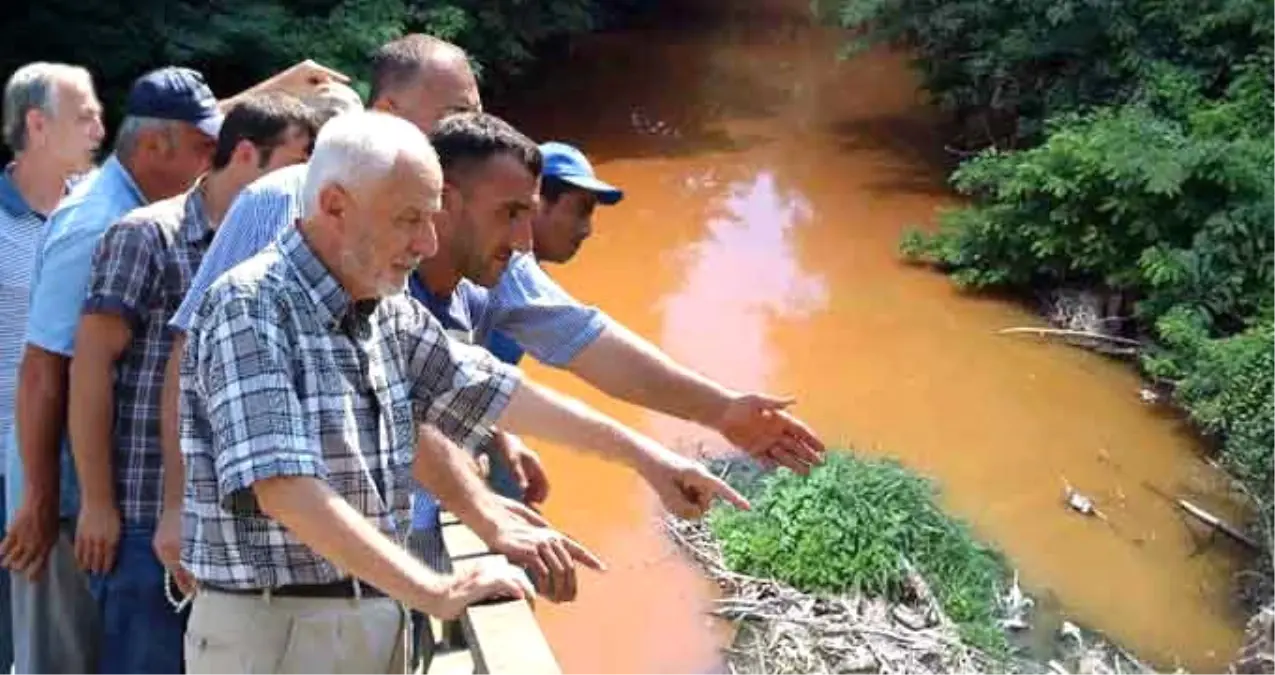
[(625, 366), (536, 411), (90, 420), (446, 471), (170, 427), (325, 522), (41, 416)]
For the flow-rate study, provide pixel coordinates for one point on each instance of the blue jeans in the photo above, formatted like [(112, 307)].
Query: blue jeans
[(141, 632)]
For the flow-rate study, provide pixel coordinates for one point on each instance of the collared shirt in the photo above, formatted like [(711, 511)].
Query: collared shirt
[(259, 213), (288, 377), (526, 305), (60, 281), (141, 269), (20, 230)]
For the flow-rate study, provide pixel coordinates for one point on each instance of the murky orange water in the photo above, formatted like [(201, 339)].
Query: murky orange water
[(768, 184)]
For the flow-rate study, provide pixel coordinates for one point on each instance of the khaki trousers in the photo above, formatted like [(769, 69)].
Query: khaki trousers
[(230, 633)]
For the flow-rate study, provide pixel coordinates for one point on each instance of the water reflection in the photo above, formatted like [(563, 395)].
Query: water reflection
[(744, 268)]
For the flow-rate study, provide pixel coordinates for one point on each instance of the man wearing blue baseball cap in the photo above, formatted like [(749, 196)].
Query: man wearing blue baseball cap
[(569, 191)]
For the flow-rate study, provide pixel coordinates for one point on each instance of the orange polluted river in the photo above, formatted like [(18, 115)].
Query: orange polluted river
[(767, 187)]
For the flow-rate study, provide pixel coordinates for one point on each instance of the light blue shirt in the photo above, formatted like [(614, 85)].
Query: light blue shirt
[(60, 281), (526, 303)]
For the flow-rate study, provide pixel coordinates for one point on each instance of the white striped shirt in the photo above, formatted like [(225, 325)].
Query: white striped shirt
[(21, 228)]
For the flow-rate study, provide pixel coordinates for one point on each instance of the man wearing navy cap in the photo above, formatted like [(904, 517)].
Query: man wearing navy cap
[(569, 191)]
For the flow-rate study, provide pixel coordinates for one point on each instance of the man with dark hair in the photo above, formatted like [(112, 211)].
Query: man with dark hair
[(139, 274), (569, 193)]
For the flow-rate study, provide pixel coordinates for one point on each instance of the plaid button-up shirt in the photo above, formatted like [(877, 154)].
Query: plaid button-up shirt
[(141, 269), (285, 376)]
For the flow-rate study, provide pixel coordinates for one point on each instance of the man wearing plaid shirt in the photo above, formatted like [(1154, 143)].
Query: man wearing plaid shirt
[(306, 375), (139, 274)]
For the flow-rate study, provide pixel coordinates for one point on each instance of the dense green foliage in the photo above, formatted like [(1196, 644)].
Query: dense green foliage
[(1146, 169), (1017, 63), (848, 527), (240, 42)]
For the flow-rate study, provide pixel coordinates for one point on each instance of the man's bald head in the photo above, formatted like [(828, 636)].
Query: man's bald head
[(423, 79)]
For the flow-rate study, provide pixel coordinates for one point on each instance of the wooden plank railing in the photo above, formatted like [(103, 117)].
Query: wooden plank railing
[(502, 637)]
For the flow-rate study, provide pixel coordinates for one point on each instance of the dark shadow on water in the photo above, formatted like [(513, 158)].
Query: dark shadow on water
[(914, 139)]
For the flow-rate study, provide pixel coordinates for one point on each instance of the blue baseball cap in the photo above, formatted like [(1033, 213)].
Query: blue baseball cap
[(571, 166), (178, 94)]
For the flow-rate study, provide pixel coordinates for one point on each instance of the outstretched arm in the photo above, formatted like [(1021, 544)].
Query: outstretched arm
[(629, 368)]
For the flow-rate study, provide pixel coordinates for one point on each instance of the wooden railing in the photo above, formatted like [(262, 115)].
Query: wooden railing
[(501, 637)]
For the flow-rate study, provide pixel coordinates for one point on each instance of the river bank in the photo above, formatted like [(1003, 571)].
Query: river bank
[(767, 185), (854, 625)]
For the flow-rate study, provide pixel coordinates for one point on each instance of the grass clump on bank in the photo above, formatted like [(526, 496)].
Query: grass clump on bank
[(854, 525)]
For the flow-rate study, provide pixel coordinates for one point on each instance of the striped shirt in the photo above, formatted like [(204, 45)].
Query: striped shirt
[(141, 269), (21, 228), (289, 376), (259, 213)]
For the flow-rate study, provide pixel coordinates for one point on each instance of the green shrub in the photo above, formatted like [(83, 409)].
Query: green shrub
[(1008, 66), (849, 526), (1227, 386)]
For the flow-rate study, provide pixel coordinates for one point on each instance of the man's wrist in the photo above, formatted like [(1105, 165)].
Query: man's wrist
[(484, 516), (40, 494), (715, 411), (98, 500)]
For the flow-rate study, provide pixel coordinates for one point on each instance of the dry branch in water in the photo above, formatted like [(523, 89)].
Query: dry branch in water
[(783, 630)]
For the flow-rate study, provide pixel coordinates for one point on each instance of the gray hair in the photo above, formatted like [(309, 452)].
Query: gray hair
[(358, 148), (34, 87), (132, 128)]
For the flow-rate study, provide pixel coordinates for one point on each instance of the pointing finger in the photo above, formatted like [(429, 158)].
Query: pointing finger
[(726, 492)]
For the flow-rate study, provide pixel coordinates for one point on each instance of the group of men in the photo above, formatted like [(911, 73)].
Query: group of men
[(246, 359)]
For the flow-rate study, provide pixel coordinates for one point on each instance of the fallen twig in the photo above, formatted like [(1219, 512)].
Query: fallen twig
[(1063, 332)]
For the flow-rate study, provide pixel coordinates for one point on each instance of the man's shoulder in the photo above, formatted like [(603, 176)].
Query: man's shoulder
[(151, 219), (285, 183), (264, 272), (92, 206)]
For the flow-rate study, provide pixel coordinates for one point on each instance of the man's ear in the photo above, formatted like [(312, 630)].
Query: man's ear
[(37, 124), (245, 154), (334, 201)]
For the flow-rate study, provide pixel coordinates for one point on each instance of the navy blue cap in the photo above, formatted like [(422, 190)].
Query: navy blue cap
[(569, 165), (178, 94)]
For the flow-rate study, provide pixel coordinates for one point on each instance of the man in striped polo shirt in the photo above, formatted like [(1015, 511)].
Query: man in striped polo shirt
[(53, 125)]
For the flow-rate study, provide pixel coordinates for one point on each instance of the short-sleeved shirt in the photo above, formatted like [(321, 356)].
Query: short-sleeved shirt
[(60, 280), (258, 214), (286, 375), (21, 228), (141, 270), (527, 305)]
